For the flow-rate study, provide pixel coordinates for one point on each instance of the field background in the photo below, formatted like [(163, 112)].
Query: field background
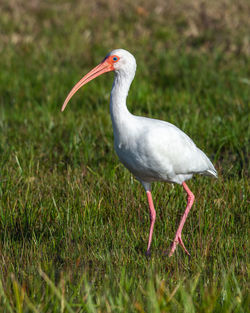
[(73, 221)]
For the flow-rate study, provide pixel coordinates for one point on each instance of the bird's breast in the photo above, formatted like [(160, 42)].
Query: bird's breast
[(135, 155)]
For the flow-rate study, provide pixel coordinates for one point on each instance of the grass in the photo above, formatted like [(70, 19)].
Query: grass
[(73, 221)]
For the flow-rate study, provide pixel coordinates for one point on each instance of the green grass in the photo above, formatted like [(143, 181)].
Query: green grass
[(73, 221)]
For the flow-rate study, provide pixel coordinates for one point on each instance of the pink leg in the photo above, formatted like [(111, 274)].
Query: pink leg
[(177, 238), (152, 220)]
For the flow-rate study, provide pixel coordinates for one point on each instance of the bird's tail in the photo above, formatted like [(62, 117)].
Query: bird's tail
[(211, 172)]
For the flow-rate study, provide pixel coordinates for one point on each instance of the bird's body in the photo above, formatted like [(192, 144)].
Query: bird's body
[(153, 150)]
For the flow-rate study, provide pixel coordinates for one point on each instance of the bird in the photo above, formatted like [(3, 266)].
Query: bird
[(151, 149)]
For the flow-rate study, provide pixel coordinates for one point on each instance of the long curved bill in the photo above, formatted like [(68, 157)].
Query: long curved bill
[(102, 68)]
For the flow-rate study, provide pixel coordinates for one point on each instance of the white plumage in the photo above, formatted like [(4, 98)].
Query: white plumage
[(153, 150)]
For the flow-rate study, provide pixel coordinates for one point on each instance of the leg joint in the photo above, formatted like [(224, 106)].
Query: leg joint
[(153, 216), (191, 197)]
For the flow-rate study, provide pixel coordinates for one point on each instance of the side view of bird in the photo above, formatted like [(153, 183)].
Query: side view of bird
[(152, 150)]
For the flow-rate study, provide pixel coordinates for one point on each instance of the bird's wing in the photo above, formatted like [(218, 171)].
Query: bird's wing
[(170, 146)]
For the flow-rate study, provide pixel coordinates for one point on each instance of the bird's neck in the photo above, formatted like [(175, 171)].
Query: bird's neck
[(120, 115)]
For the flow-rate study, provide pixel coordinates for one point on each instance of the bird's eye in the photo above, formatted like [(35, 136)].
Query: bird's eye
[(115, 59)]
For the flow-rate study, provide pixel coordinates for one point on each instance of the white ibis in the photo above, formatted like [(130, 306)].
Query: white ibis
[(151, 149)]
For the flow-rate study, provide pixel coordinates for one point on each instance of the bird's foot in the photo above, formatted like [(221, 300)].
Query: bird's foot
[(148, 253), (175, 243)]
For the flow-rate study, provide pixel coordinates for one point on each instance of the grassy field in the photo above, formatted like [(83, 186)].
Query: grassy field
[(73, 221)]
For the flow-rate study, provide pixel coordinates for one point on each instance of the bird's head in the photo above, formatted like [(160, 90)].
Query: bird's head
[(119, 61)]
